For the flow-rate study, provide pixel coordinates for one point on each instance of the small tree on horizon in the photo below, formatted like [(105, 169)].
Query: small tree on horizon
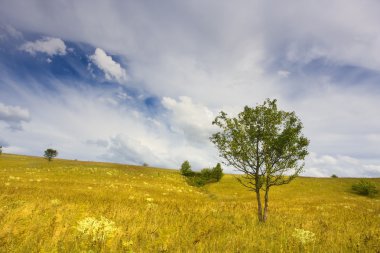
[(217, 172), (50, 154), (264, 143), (186, 169), (1, 150)]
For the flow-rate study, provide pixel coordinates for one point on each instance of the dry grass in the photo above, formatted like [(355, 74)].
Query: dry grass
[(44, 206)]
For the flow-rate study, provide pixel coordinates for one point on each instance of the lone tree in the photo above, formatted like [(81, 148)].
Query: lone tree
[(1, 150), (264, 143), (50, 154)]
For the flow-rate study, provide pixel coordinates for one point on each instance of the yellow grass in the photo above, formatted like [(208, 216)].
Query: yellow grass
[(72, 206)]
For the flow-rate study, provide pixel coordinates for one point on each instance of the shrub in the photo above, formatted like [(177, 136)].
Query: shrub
[(205, 176), (365, 187), (196, 180), (217, 172), (1, 150), (206, 173), (334, 176), (186, 169)]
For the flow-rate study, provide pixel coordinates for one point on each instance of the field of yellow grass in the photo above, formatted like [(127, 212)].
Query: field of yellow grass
[(73, 206)]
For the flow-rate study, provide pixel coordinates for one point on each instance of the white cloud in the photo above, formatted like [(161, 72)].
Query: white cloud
[(193, 120), (225, 64), (112, 70), (47, 45), (342, 166), (283, 73), (13, 116)]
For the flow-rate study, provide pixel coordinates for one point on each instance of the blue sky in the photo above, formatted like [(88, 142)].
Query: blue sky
[(140, 81)]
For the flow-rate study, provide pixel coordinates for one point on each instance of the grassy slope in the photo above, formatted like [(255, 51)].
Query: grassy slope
[(156, 211)]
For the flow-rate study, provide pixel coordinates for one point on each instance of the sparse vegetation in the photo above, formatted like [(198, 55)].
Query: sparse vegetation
[(264, 143), (49, 154), (365, 187), (152, 209)]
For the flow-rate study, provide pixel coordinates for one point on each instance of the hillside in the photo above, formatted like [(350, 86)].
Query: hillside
[(44, 206)]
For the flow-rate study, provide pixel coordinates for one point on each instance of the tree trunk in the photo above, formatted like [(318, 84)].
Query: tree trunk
[(259, 207), (266, 199)]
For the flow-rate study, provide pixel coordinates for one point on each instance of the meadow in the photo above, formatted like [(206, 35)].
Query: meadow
[(74, 206)]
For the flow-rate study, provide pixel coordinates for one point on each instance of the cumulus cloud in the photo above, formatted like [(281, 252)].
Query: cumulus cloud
[(13, 116), (48, 45), (262, 50), (193, 120), (112, 70)]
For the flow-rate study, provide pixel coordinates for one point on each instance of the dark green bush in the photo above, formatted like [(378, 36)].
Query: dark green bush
[(205, 176), (186, 169), (365, 187), (217, 172), (334, 176)]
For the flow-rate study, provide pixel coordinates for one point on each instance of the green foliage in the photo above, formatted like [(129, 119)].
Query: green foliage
[(196, 180), (365, 187), (264, 143), (1, 150), (217, 172), (205, 176), (334, 176), (50, 154), (186, 169)]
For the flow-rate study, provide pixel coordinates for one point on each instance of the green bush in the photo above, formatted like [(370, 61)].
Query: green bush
[(196, 180), (334, 176), (217, 172), (365, 187), (186, 169), (205, 176)]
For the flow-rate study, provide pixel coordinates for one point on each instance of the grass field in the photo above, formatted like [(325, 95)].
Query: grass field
[(73, 206)]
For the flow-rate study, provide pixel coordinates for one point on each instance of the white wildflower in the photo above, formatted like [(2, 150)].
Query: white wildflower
[(304, 236), (97, 230)]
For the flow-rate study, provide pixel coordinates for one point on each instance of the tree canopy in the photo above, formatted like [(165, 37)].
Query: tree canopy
[(49, 154), (264, 143)]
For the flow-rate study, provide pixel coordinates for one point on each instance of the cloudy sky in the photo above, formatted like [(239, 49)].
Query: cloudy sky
[(141, 81)]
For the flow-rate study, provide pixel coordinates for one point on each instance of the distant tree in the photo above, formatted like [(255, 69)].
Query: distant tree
[(1, 150), (50, 154), (186, 169), (145, 164), (264, 143), (334, 176), (217, 172)]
